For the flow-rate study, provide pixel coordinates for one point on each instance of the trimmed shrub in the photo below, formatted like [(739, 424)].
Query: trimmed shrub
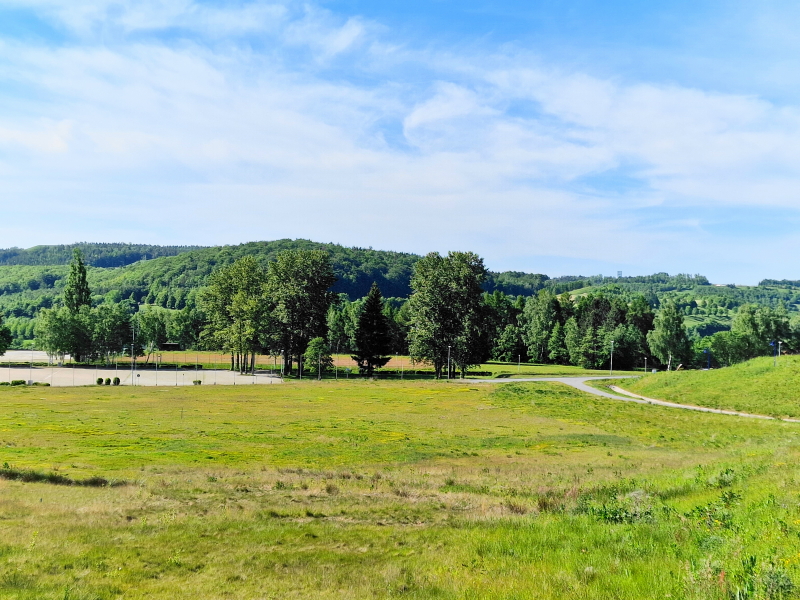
[(116, 381), (108, 380), (197, 382), (4, 383), (99, 381), (17, 382)]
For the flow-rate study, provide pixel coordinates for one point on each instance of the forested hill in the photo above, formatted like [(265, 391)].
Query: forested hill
[(95, 255), (169, 276)]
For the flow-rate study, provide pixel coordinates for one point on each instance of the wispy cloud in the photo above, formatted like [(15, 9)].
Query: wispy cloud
[(257, 120)]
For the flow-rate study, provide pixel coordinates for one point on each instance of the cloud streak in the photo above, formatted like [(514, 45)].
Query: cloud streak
[(221, 123)]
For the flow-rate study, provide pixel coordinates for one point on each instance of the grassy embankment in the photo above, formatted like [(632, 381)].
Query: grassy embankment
[(755, 386), (388, 489)]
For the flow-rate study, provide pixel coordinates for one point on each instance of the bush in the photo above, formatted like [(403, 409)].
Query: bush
[(17, 382), (197, 382), (99, 381), (116, 380), (4, 383), (108, 380)]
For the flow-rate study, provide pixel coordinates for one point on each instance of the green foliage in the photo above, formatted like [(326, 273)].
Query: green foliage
[(298, 284), (447, 313), (317, 358), (76, 291), (97, 255), (372, 340), (236, 304), (5, 337), (668, 340)]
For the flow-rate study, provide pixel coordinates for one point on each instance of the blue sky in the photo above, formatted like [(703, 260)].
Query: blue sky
[(557, 137)]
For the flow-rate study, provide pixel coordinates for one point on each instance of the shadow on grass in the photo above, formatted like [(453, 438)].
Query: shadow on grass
[(30, 476)]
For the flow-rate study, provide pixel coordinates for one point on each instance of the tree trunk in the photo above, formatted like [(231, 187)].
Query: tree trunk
[(232, 361), (287, 363), (253, 363)]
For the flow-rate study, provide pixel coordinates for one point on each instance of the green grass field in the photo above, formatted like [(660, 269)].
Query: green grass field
[(386, 489), (755, 386)]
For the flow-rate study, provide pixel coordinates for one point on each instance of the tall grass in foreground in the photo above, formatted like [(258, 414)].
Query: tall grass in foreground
[(389, 490)]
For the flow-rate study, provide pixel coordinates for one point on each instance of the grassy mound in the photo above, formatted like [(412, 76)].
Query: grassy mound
[(755, 386)]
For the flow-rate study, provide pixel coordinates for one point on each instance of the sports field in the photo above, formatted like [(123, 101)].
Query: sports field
[(363, 489)]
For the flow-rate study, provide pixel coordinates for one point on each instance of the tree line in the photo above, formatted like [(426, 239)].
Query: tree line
[(449, 321)]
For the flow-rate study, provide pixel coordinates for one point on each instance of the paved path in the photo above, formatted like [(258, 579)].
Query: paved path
[(67, 377), (579, 383)]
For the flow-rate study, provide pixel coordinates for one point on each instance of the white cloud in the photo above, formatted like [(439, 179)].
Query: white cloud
[(384, 156)]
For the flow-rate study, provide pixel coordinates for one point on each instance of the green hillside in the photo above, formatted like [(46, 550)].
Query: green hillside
[(171, 281), (755, 386), (170, 276), (96, 255)]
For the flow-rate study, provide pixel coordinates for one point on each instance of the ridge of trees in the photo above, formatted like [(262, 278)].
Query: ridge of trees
[(95, 254)]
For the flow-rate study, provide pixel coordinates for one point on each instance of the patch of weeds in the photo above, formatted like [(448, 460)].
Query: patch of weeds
[(515, 507), (717, 513), (15, 580), (331, 489), (631, 508), (401, 492), (282, 485), (776, 584)]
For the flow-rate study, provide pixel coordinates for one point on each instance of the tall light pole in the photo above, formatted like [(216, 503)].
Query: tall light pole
[(448, 362), (611, 371)]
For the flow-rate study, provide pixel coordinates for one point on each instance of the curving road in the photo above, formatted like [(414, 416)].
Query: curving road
[(579, 383)]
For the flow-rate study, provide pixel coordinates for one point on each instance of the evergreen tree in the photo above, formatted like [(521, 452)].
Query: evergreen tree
[(5, 337), (373, 342), (76, 290)]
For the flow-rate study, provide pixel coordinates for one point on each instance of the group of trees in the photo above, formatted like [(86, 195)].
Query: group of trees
[(755, 331), (88, 332), (287, 307)]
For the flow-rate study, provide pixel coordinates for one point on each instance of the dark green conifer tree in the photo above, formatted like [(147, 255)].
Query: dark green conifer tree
[(373, 339)]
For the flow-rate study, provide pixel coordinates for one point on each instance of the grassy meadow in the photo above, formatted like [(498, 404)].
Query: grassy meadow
[(756, 386), (387, 489)]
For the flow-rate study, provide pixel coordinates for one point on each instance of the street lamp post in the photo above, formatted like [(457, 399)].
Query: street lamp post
[(611, 370), (448, 362)]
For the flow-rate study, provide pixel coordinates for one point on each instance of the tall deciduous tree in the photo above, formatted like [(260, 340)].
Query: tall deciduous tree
[(236, 304), (111, 329), (76, 290), (298, 288), (447, 314), (153, 326), (372, 335), (668, 340), (539, 317)]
